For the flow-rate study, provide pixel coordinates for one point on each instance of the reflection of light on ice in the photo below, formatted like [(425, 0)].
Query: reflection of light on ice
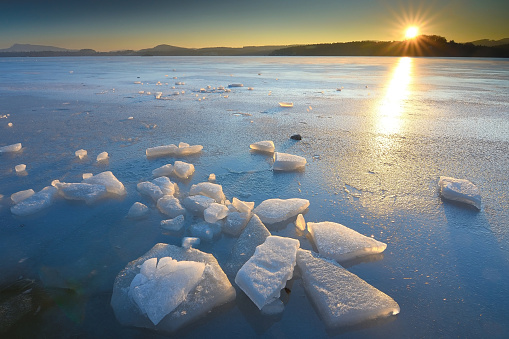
[(389, 119)]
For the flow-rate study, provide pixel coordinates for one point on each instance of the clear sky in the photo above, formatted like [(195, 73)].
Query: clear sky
[(106, 25)]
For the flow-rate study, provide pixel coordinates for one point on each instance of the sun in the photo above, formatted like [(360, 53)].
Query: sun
[(411, 32)]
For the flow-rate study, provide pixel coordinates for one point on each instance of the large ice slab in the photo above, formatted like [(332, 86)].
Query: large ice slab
[(172, 150), (213, 289), (272, 211), (170, 206), (263, 146), (288, 162), (37, 202), (264, 275), (460, 190), (338, 242), (341, 297), (81, 191), (22, 195), (108, 180), (11, 148), (208, 189)]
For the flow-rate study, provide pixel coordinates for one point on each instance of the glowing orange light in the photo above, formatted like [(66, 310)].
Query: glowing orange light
[(411, 32)]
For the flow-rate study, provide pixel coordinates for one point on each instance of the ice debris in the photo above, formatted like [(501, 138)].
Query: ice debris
[(137, 210), (460, 190), (87, 175), (174, 224), (170, 206), (183, 170), (208, 189), (341, 243), (288, 162), (165, 170), (81, 153), (263, 146), (197, 203), (182, 149), (188, 242), (272, 211), (215, 212), (205, 231), (235, 85), (341, 297), (10, 148), (300, 223), (166, 185), (108, 180), (212, 177), (20, 168), (236, 222), (22, 195), (243, 206), (264, 275), (37, 202), (80, 191), (150, 189), (102, 156)]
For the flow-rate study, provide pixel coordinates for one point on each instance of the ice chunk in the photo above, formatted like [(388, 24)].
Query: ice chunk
[(197, 203), (170, 206), (159, 290), (214, 289), (22, 195), (263, 146), (215, 212), (341, 243), (341, 297), (166, 186), (212, 177), (20, 168), (288, 162), (286, 104), (81, 153), (37, 202), (173, 150), (235, 85), (188, 242), (253, 235), (150, 189), (163, 170), (183, 170), (87, 175), (108, 180), (208, 189), (102, 156), (80, 191), (264, 275), (272, 211), (137, 210), (300, 223), (243, 206), (236, 222), (174, 224), (205, 231), (10, 148), (460, 190)]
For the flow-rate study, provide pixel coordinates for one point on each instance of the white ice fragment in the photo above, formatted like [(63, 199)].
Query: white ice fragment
[(183, 144), (158, 95), (272, 211), (208, 189), (264, 275), (174, 224), (20, 168), (165, 170), (80, 191), (341, 297), (81, 153), (288, 162), (102, 156), (460, 190), (236, 222), (263, 146), (300, 223), (170, 206), (197, 203), (108, 180), (9, 124), (172, 150), (183, 170), (188, 242), (87, 175), (205, 231), (22, 195), (10, 148), (215, 212), (235, 85), (37, 202), (137, 210), (166, 186), (340, 243), (286, 104), (243, 206), (212, 177), (150, 189)]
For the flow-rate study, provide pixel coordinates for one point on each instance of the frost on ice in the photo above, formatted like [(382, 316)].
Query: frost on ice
[(137, 210), (182, 149), (341, 243), (263, 146), (208, 189), (172, 303), (288, 162), (10, 148), (170, 206), (341, 297), (35, 203), (460, 190), (264, 275), (272, 211), (108, 180)]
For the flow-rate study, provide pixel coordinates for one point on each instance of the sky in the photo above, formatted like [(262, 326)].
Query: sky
[(106, 25)]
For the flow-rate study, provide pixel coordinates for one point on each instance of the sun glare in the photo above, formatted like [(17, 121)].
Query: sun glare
[(411, 32)]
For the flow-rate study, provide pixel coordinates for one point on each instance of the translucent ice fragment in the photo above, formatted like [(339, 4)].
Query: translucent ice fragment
[(108, 180), (102, 156), (197, 203), (215, 212), (272, 211), (81, 153), (263, 146), (212, 177), (37, 202), (300, 223), (87, 175), (288, 162), (174, 224), (188, 242), (170, 206), (137, 210), (460, 190), (150, 189), (208, 189), (236, 222), (165, 170), (10, 148), (172, 150), (205, 231), (243, 206), (183, 170), (20, 168), (22, 195)]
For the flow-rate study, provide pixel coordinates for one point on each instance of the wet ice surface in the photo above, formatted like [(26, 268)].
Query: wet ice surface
[(374, 156)]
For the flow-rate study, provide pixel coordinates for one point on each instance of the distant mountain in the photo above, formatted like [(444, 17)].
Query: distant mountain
[(209, 51), (166, 50), (17, 48), (491, 43)]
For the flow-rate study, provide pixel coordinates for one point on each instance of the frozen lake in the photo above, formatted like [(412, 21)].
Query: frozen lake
[(375, 151)]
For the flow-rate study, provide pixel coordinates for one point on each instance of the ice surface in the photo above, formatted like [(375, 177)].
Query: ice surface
[(341, 297), (215, 212), (341, 243), (108, 180), (236, 222), (37, 202), (272, 211), (300, 223), (288, 162), (188, 242), (205, 231), (163, 170), (264, 275), (197, 203), (174, 224), (183, 170), (173, 150), (102, 156), (81, 191), (253, 235), (263, 146), (170, 206), (166, 186), (243, 206), (20, 168), (158, 290), (10, 148), (208, 189), (81, 153), (150, 189), (460, 190), (22, 195), (137, 210)]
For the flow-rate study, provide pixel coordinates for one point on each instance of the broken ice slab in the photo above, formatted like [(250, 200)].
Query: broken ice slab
[(272, 211), (288, 162), (165, 170), (183, 170), (170, 206), (197, 203), (206, 231), (81, 153), (37, 202), (22, 195), (108, 180), (188, 242), (338, 242), (341, 297), (102, 156), (174, 224), (137, 210), (215, 212), (264, 275), (214, 289), (460, 190), (263, 146), (166, 186), (173, 150), (20, 168), (243, 206), (208, 189), (150, 189), (300, 223), (10, 148), (236, 222), (81, 191)]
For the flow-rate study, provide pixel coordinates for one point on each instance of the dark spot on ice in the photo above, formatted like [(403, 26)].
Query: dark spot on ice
[(287, 290), (296, 137)]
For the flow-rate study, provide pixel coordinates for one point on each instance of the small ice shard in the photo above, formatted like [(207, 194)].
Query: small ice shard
[(170, 206), (264, 275), (137, 210), (165, 170), (205, 231), (263, 146), (243, 206), (288, 162), (22, 195), (108, 180), (338, 242), (166, 186), (272, 211), (341, 297), (20, 168), (37, 202), (87, 175), (236, 222), (150, 189), (212, 177), (254, 234), (183, 170), (80, 191), (158, 95), (188, 242), (172, 150), (158, 290), (197, 203), (286, 104), (300, 223), (235, 85), (174, 224), (10, 148), (274, 307), (102, 156), (208, 189), (9, 124), (81, 153), (215, 212), (460, 190)]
